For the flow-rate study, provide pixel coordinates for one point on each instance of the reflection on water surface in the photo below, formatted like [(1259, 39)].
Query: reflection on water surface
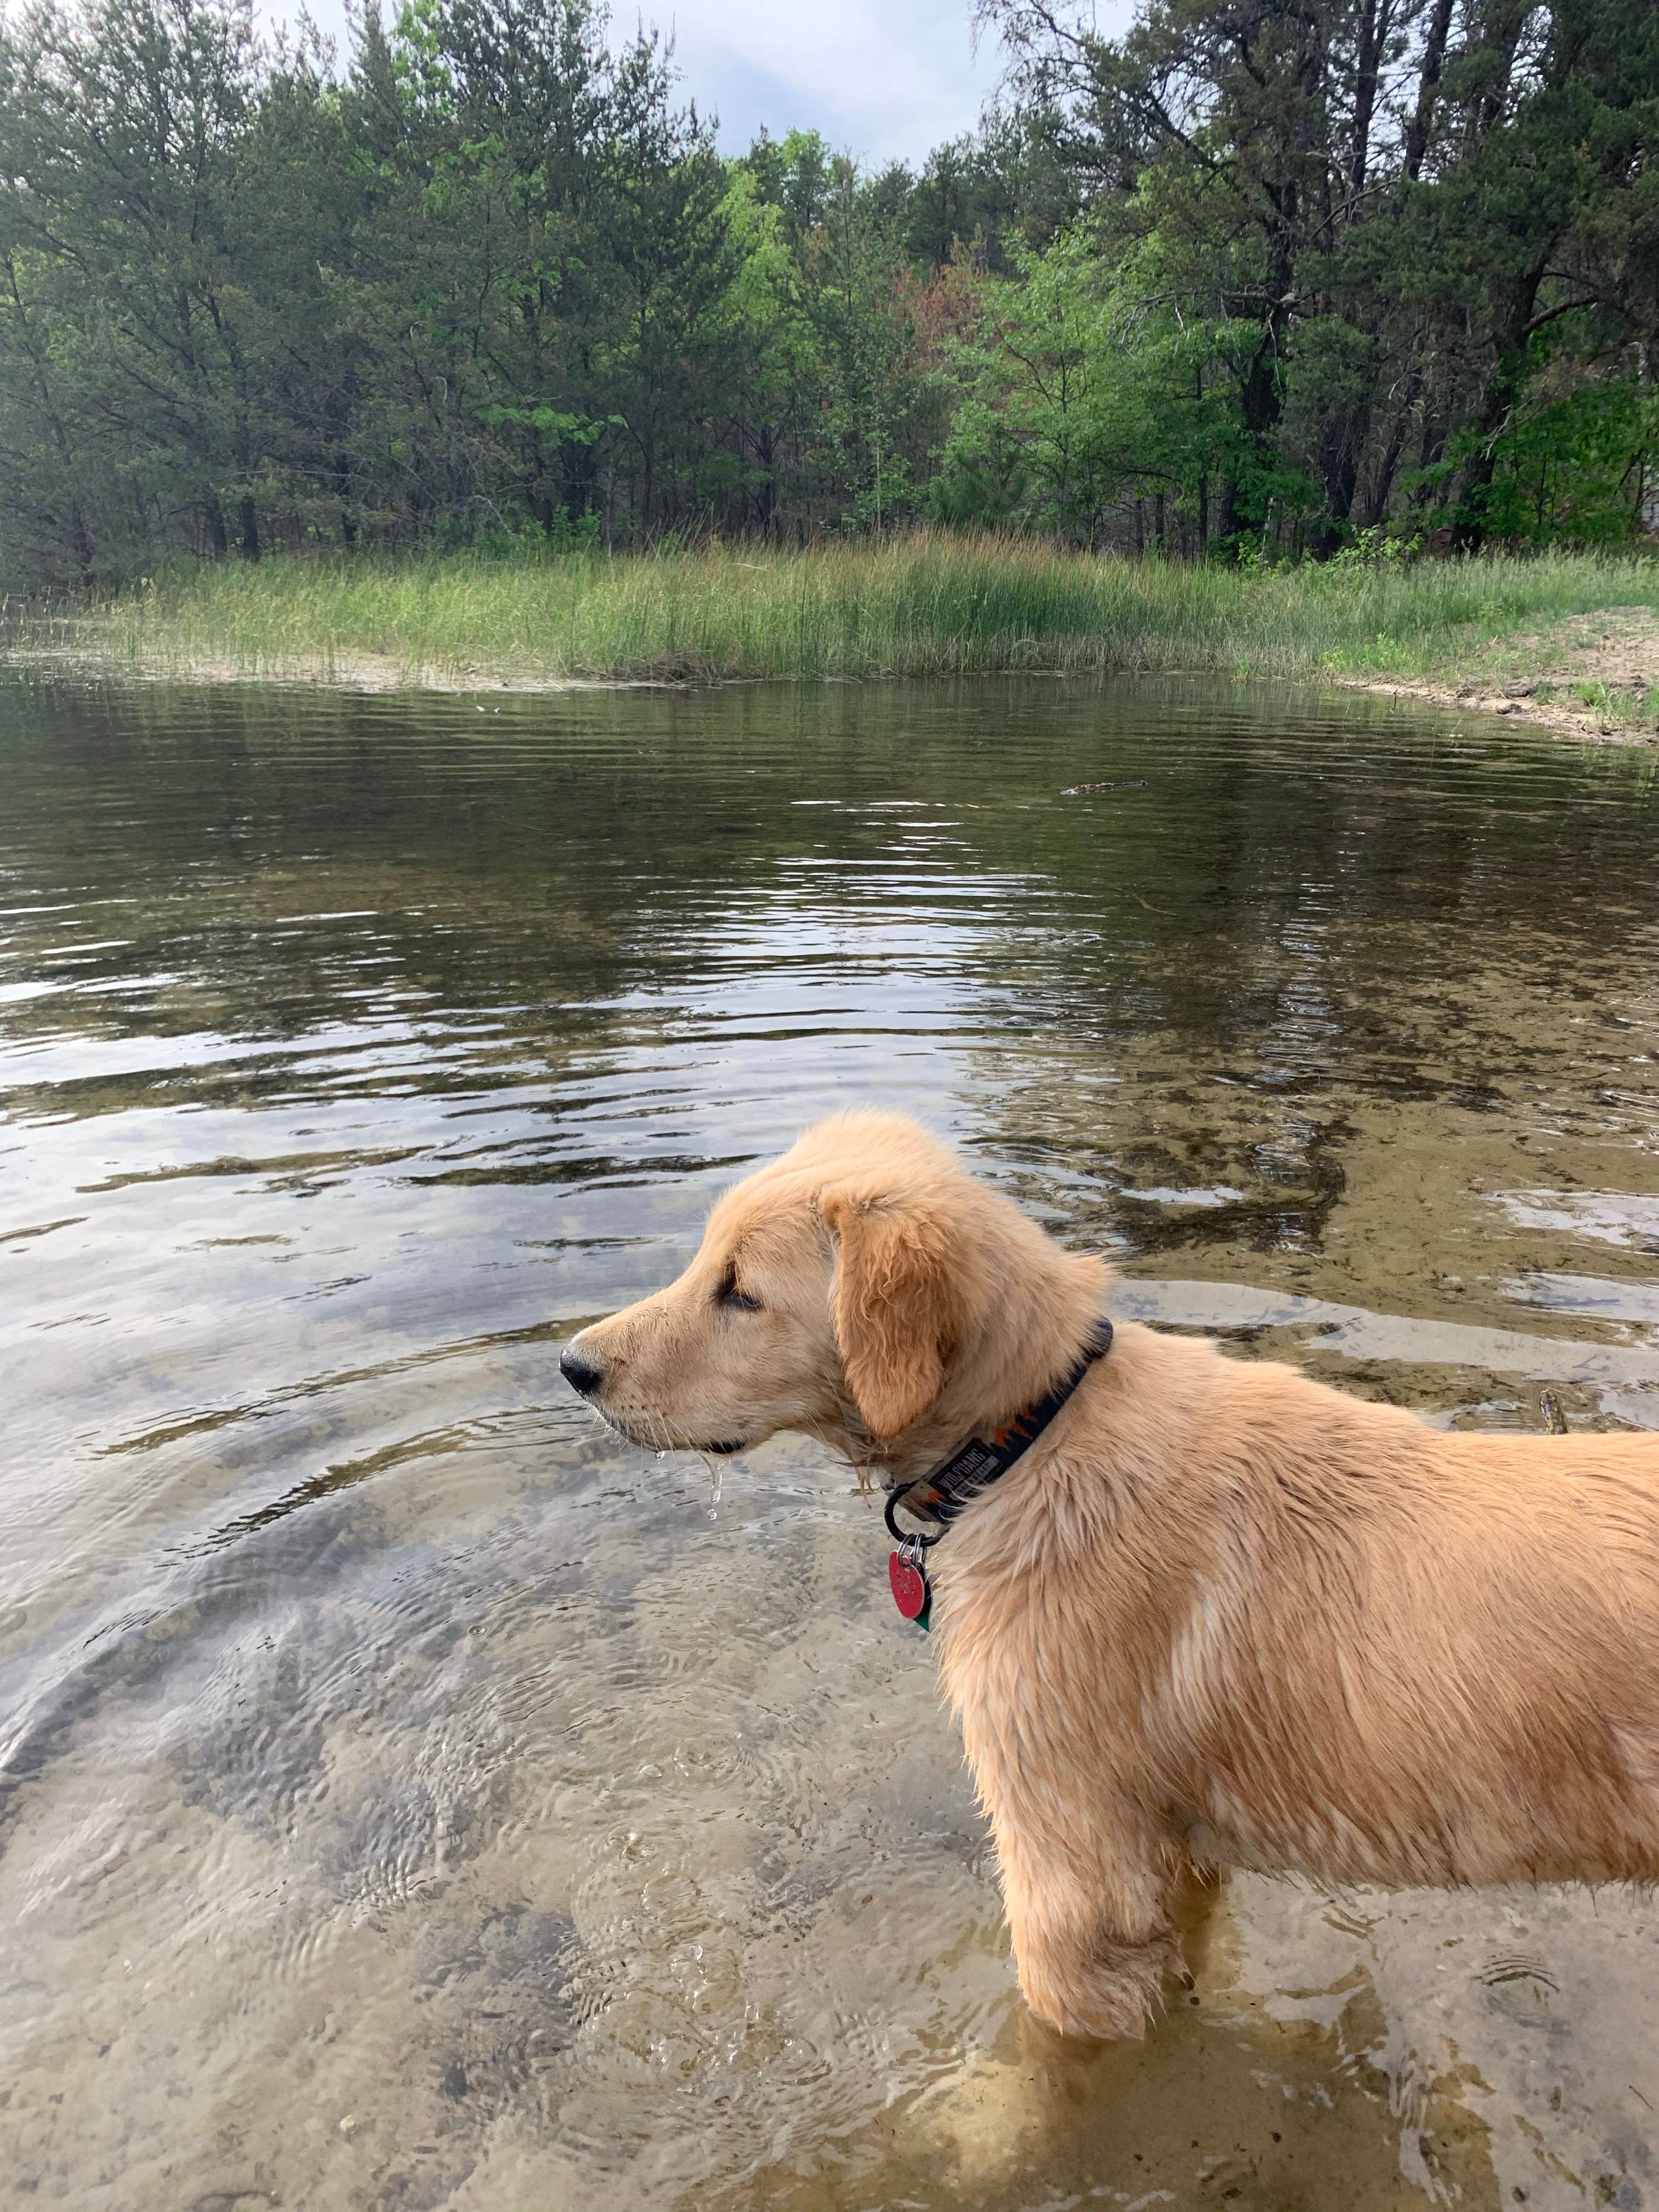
[(411, 1797)]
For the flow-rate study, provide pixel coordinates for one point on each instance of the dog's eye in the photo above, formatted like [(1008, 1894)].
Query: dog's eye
[(728, 1294)]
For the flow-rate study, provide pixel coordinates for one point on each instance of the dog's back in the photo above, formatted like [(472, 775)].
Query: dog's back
[(1309, 1632)]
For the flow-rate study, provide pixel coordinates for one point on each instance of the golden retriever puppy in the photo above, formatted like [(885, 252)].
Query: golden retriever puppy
[(1218, 1614)]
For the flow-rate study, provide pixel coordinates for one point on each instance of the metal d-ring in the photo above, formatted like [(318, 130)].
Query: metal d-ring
[(917, 1544)]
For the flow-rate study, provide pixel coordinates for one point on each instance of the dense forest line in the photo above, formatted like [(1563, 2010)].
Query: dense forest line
[(1263, 278)]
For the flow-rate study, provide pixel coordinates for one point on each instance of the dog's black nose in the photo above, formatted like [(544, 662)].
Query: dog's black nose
[(580, 1374)]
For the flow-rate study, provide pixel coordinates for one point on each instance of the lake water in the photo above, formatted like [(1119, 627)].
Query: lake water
[(412, 1796)]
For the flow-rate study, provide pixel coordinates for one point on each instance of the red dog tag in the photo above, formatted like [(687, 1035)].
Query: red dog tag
[(910, 1591)]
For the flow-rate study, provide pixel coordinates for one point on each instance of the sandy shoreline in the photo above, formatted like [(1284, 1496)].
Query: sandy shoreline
[(1558, 714), (375, 672), (1542, 678)]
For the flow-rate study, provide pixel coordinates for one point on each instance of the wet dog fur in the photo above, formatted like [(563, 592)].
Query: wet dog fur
[(1220, 1614)]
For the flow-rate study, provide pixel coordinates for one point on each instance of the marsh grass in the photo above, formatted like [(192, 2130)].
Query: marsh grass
[(912, 606)]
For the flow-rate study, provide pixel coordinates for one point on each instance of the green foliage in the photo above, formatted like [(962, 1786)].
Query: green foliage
[(1086, 390), (1385, 205), (1243, 286), (1570, 464)]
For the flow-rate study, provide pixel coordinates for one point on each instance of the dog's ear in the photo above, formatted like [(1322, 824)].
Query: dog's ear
[(893, 1306)]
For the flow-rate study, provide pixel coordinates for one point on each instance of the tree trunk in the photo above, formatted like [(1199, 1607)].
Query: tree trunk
[(81, 539), (1376, 507), (80, 535), (1371, 31), (1475, 492), (1434, 56), (1431, 452), (766, 499)]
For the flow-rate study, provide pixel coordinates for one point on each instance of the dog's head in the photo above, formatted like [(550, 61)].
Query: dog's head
[(861, 1286)]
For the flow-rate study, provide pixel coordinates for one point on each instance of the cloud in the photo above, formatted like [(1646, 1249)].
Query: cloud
[(885, 79)]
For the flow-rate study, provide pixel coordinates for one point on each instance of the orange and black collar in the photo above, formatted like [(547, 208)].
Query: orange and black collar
[(939, 1498)]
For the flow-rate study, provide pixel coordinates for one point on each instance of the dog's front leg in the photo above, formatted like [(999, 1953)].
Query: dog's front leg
[(1092, 1939)]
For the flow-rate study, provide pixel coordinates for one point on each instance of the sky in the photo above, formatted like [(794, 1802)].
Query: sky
[(882, 79)]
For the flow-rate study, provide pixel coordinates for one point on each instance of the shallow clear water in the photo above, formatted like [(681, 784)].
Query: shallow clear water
[(411, 1797)]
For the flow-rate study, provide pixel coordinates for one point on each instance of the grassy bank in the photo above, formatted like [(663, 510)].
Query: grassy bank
[(908, 607)]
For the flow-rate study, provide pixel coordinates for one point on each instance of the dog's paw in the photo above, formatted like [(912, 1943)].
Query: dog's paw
[(1111, 1997)]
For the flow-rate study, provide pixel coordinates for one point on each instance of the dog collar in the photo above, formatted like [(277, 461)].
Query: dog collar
[(952, 1486)]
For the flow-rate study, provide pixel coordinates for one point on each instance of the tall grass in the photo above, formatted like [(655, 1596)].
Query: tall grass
[(910, 606)]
